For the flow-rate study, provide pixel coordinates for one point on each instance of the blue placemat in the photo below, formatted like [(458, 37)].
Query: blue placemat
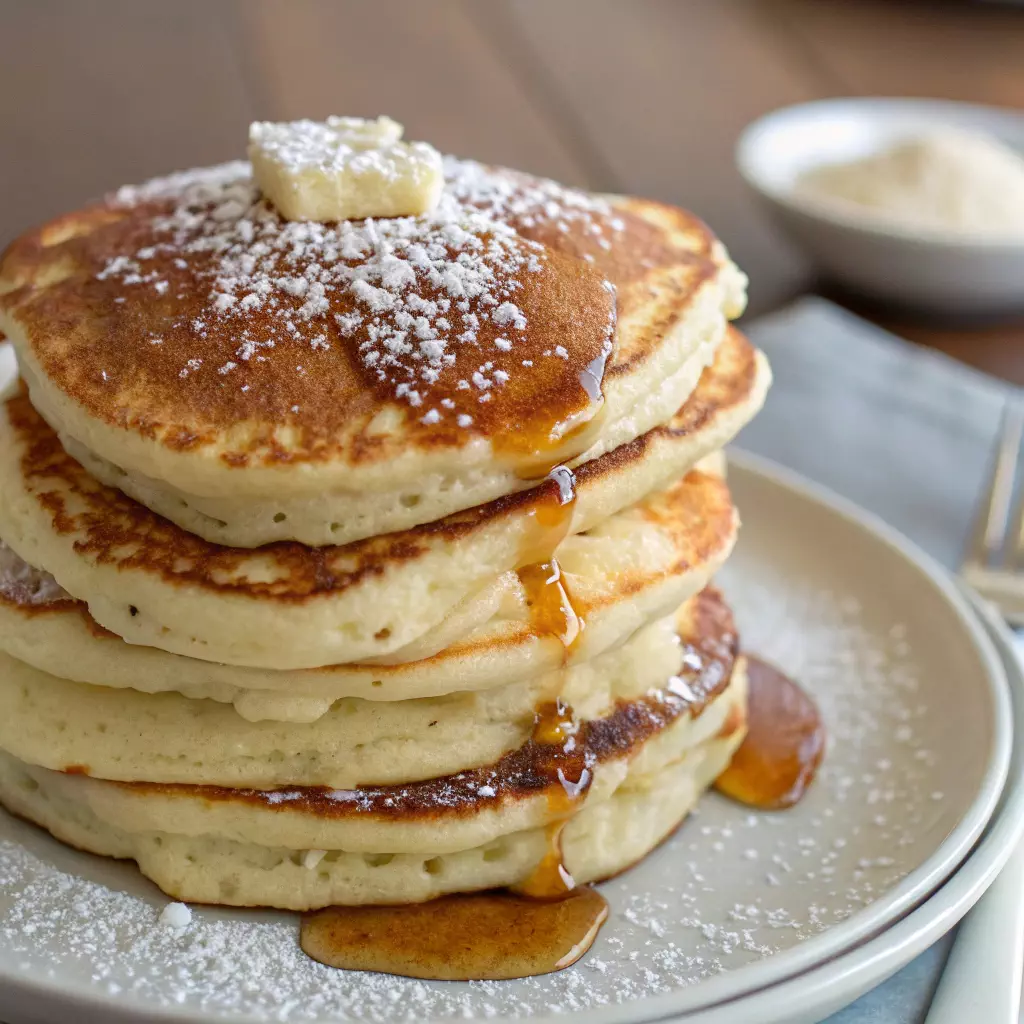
[(902, 431)]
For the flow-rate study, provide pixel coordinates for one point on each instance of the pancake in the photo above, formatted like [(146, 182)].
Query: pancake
[(522, 636), (566, 764), (327, 383), (602, 840), (401, 597), (368, 561), (315, 519), (129, 735), (646, 760), (134, 736)]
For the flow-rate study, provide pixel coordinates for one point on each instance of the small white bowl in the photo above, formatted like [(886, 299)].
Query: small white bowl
[(956, 274)]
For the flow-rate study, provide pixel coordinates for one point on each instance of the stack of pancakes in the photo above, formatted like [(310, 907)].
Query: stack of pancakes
[(368, 561)]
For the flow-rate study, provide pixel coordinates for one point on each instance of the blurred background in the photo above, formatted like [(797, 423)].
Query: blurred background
[(644, 96)]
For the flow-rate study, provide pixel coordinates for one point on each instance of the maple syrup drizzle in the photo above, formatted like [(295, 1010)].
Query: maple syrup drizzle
[(784, 745), (533, 451), (568, 778), (551, 516), (547, 922), (551, 610), (550, 879), (555, 729), (481, 936), (544, 586), (544, 924), (567, 769), (553, 725), (561, 760)]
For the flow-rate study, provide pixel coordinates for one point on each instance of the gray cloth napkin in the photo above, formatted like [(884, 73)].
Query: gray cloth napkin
[(902, 431)]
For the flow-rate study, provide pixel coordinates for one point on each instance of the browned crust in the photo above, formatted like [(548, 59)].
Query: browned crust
[(708, 653), (20, 597)]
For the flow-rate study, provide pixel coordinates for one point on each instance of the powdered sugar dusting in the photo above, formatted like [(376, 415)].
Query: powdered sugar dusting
[(732, 887), (411, 293), (175, 915), (535, 203), (340, 143)]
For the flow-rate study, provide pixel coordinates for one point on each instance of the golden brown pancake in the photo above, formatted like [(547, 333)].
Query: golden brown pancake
[(621, 782), (709, 646), (368, 561), (288, 606), (183, 332), (130, 735), (102, 365)]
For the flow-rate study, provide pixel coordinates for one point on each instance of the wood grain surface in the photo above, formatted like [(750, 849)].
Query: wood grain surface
[(645, 96)]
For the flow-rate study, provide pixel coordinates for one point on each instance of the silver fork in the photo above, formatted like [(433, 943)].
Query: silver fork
[(994, 565), (981, 979)]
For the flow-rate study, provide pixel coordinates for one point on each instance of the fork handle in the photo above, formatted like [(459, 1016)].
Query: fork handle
[(982, 977)]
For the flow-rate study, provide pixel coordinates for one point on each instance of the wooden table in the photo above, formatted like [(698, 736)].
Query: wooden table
[(643, 96)]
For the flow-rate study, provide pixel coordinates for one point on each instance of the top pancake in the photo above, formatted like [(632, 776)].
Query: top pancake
[(182, 331)]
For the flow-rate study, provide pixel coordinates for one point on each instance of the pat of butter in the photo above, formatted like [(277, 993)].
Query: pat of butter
[(345, 168)]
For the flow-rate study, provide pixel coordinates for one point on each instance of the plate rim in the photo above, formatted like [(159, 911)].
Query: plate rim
[(864, 967), (911, 891), (771, 972)]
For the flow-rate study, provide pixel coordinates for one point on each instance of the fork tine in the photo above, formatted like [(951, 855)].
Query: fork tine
[(990, 525), (1018, 516)]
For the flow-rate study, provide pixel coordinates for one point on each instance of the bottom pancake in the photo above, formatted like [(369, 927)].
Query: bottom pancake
[(604, 837)]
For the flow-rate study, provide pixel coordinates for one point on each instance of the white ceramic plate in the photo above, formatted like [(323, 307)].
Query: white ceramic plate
[(916, 700), (812, 996)]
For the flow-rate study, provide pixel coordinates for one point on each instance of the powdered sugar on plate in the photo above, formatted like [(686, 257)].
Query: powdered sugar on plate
[(730, 889)]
